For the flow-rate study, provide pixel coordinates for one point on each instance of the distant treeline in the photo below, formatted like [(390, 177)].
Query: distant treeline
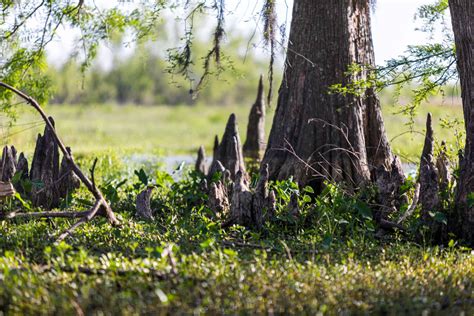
[(143, 78)]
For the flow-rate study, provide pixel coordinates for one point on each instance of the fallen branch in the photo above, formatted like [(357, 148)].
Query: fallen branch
[(33, 215), (101, 206)]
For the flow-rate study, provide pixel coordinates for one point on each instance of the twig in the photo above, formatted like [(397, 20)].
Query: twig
[(413, 205), (46, 214), (388, 225), (100, 203), (88, 216), (92, 170)]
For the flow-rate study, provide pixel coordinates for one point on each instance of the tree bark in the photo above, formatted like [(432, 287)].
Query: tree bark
[(229, 150), (45, 170), (316, 135), (200, 165), (462, 17), (429, 187), (143, 205), (8, 163), (254, 145)]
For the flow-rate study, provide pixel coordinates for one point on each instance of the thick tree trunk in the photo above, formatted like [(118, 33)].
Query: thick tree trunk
[(317, 135), (462, 17)]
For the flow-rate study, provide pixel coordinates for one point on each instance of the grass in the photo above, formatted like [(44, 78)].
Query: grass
[(222, 280), (181, 130), (327, 261)]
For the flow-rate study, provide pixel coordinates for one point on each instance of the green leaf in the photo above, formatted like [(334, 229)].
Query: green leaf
[(17, 177), (25, 204), (470, 199), (308, 189), (440, 218), (142, 176), (231, 253), (327, 241), (451, 243), (363, 210), (207, 243)]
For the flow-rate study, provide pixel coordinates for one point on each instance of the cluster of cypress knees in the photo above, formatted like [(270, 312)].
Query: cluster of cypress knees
[(232, 197), (47, 182)]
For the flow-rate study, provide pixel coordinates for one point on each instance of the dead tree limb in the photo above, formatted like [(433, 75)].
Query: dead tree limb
[(101, 206), (32, 215), (85, 218)]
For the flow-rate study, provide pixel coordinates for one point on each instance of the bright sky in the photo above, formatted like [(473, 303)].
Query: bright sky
[(393, 26)]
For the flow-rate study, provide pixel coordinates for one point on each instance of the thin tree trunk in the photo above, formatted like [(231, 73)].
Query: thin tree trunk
[(317, 135), (462, 17)]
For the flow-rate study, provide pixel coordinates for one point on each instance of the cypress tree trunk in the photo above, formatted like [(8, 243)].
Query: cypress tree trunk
[(462, 17), (340, 137)]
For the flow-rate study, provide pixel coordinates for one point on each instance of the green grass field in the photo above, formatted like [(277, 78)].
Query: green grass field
[(327, 261), (179, 130)]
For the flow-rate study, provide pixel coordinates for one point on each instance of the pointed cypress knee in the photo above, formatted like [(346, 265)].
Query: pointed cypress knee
[(218, 200), (389, 180), (229, 151), (201, 161), (443, 166), (261, 203), (8, 163), (429, 188), (143, 205), (254, 146), (22, 168), (215, 149), (215, 167), (45, 170), (241, 202)]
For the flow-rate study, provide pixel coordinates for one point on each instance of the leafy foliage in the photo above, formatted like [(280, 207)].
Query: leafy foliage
[(143, 78), (327, 259), (27, 27)]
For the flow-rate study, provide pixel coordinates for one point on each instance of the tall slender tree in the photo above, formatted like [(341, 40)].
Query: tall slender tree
[(462, 17), (318, 135)]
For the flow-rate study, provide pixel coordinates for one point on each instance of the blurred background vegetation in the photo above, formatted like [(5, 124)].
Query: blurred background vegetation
[(143, 77), (130, 100)]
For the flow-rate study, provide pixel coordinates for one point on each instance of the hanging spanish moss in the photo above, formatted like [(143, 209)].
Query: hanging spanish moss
[(215, 51), (269, 35)]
